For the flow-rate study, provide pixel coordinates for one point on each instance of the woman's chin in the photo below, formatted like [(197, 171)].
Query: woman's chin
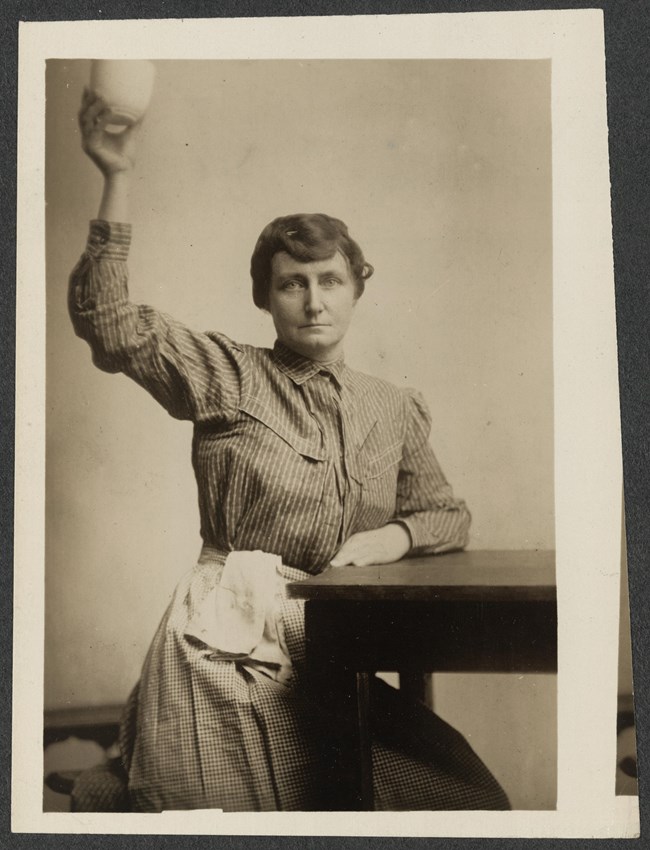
[(315, 347)]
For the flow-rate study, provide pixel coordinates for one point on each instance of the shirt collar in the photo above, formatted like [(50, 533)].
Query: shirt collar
[(300, 369)]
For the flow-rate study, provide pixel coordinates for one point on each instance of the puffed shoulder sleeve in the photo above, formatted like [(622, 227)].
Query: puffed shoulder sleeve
[(196, 376), (437, 521)]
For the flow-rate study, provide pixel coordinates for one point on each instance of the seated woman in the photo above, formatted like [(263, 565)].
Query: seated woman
[(300, 462)]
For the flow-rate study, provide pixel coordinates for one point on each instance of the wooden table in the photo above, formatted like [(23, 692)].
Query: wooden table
[(481, 611)]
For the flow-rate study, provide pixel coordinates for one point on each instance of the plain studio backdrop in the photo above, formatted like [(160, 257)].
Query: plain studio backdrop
[(442, 171)]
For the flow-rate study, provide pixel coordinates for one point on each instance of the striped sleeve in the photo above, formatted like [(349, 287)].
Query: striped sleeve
[(192, 375), (436, 520)]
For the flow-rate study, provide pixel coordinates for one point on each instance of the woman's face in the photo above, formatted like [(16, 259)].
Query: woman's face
[(312, 304)]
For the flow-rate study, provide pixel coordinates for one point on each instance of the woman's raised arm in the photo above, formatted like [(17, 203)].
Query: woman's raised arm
[(192, 375)]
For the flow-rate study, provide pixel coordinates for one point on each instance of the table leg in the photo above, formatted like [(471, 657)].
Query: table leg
[(348, 640), (349, 754), (365, 741), (416, 685), (350, 779)]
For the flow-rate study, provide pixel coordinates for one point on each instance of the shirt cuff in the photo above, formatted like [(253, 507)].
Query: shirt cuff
[(425, 542), (422, 541), (418, 539), (108, 240), (406, 528)]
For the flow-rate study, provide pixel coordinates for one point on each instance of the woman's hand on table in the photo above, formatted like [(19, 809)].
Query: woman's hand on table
[(112, 153), (379, 546)]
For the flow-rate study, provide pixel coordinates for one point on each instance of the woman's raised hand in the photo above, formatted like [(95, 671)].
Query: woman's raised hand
[(112, 153), (378, 546)]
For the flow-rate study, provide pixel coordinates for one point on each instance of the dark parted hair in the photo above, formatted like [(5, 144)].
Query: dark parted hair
[(305, 237)]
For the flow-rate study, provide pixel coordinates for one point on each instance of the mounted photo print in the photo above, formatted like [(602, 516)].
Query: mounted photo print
[(311, 538)]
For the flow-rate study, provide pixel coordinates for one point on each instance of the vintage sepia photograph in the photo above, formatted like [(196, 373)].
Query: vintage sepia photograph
[(404, 284), (301, 458)]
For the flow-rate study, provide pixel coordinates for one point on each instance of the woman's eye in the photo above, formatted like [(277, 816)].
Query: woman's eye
[(331, 281), (292, 284)]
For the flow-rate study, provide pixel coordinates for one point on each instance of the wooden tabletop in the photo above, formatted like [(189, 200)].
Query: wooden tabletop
[(475, 575)]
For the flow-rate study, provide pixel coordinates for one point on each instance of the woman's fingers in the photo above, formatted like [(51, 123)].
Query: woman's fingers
[(356, 560), (356, 548), (341, 559), (90, 118), (111, 152), (88, 99), (360, 561), (92, 106)]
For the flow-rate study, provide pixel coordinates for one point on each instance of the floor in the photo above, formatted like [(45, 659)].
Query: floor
[(73, 754), (65, 758)]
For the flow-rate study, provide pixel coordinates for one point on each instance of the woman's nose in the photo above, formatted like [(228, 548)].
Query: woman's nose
[(313, 300)]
